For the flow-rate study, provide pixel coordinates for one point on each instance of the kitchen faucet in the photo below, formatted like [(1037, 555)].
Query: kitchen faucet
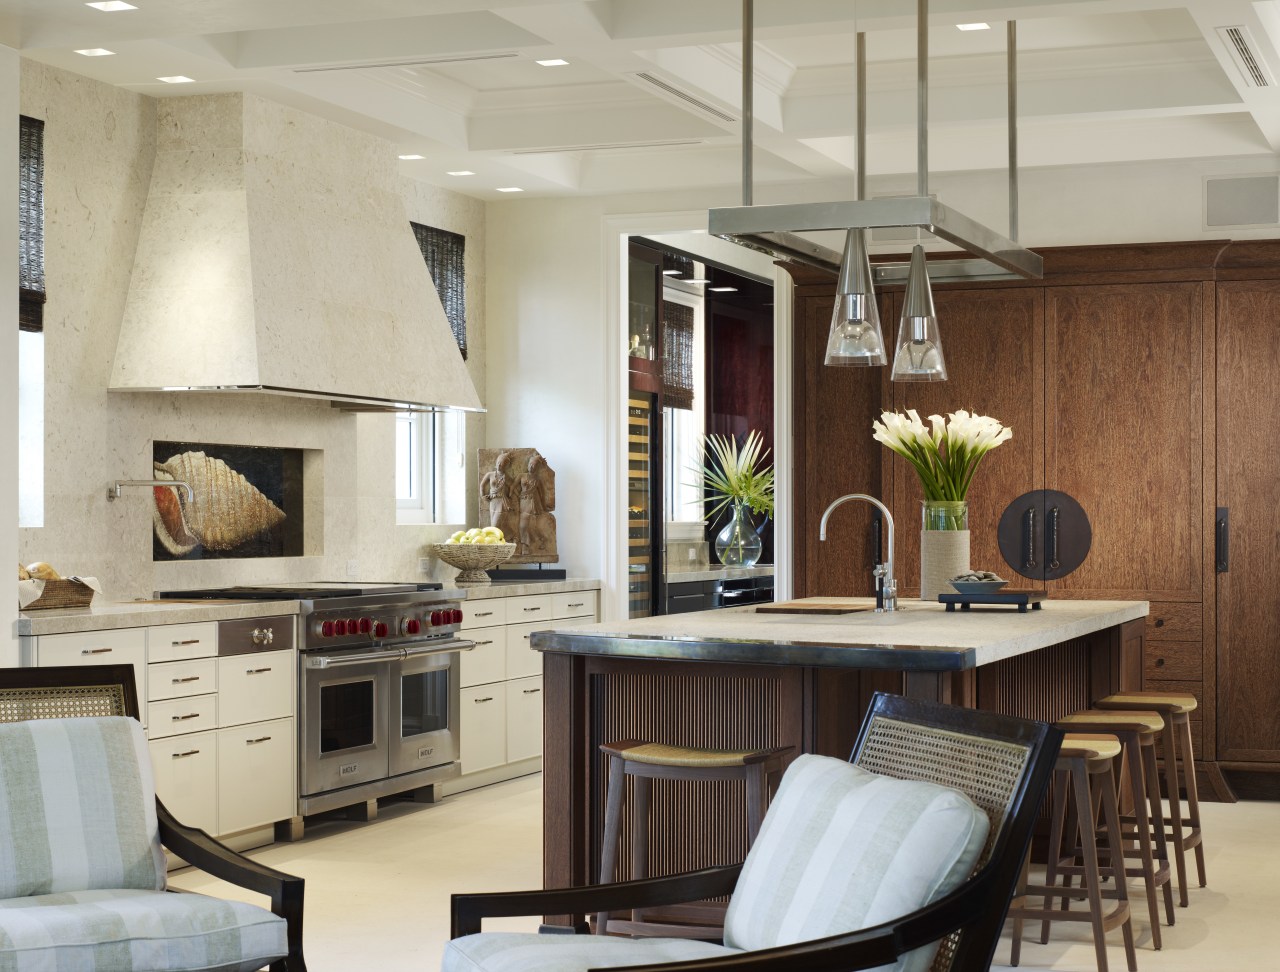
[(886, 585)]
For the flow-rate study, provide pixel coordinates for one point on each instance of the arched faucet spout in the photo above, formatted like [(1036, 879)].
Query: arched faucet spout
[(886, 584)]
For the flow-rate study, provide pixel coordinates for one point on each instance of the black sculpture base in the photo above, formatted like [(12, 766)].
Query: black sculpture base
[(529, 573)]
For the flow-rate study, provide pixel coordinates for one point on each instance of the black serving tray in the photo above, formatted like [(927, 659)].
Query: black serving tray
[(1019, 599)]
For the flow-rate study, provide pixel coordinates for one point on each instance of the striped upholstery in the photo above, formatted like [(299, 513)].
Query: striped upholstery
[(843, 849), (142, 931), (507, 952), (78, 808)]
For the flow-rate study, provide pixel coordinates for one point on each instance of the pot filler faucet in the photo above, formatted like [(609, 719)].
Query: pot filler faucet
[(886, 585)]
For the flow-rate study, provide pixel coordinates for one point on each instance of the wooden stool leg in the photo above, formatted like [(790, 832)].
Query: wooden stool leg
[(1089, 850), (1187, 756), (1057, 817), (640, 786), (1156, 813), (612, 829), (1115, 856), (1175, 808), (1142, 822)]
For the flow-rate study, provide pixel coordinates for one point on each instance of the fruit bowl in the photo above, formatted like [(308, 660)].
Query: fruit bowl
[(473, 559)]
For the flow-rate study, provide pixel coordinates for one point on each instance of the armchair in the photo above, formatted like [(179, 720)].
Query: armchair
[(82, 873), (856, 866)]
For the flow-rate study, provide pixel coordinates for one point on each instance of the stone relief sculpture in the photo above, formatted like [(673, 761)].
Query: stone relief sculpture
[(518, 496)]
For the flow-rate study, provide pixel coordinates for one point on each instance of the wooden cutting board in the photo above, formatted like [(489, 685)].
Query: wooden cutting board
[(811, 605)]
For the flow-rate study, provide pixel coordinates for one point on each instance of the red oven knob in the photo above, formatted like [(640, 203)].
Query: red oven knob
[(380, 630), (437, 618), (412, 626), (340, 628), (455, 616), (365, 625), (326, 629)]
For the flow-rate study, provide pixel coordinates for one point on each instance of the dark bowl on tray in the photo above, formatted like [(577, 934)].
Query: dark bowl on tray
[(978, 587)]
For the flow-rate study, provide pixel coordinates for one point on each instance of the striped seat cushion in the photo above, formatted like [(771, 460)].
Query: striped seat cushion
[(77, 808), (141, 931), (843, 849), (508, 952)]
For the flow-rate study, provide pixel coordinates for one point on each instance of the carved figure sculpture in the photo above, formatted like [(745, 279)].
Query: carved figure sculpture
[(498, 489), (537, 489), (517, 495)]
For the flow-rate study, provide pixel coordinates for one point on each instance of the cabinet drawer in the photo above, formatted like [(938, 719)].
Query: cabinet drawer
[(522, 660), (483, 724), (1174, 621), (484, 613), (524, 718), (186, 774), (255, 687), (173, 716), (256, 775), (121, 646), (172, 680), (535, 607), (1172, 659), (487, 662), (579, 604), (172, 642)]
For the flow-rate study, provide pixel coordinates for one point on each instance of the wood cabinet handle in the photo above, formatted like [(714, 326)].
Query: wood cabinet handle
[(189, 752), (260, 739), (184, 718), (185, 679), (95, 651), (487, 698), (189, 641), (1159, 622)]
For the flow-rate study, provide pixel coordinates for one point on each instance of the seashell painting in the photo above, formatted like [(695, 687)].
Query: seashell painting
[(228, 515)]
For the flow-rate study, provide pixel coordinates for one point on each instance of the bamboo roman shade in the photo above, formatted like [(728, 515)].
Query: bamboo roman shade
[(31, 294), (444, 253), (677, 355)]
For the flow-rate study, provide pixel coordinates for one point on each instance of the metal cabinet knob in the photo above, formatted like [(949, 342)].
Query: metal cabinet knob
[(263, 636)]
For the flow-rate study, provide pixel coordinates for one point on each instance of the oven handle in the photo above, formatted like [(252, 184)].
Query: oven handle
[(435, 648), (342, 661)]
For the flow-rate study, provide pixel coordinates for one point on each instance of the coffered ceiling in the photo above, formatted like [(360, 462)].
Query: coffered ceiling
[(649, 99)]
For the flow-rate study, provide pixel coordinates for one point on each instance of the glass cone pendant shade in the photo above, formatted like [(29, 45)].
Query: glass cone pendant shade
[(856, 339), (919, 353)]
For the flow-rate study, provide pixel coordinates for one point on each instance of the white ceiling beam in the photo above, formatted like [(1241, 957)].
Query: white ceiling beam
[(1263, 104)]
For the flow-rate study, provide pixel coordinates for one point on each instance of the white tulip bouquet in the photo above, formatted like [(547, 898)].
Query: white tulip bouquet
[(946, 456)]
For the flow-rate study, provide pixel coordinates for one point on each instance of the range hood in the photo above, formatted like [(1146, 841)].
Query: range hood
[(275, 255)]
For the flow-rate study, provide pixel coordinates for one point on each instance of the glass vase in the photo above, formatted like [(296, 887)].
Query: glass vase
[(944, 514), (944, 545), (738, 544)]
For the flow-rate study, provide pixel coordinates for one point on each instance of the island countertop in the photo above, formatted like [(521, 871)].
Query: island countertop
[(920, 636)]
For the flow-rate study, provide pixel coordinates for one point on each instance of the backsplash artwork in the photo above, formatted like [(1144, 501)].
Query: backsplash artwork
[(246, 502)]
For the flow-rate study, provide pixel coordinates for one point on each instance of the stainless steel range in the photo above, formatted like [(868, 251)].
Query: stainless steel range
[(378, 688)]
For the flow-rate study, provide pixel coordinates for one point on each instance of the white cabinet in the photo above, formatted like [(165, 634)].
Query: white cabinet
[(255, 775), (172, 716), (122, 646), (255, 687), (186, 775), (171, 680), (524, 718), (522, 660), (576, 604), (483, 724), (484, 614), (172, 642)]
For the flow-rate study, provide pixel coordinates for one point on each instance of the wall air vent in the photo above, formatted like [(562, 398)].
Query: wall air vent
[(684, 96), (1231, 201), (416, 62), (1243, 50), (605, 146)]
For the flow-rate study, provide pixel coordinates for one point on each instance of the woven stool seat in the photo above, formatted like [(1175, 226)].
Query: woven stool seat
[(1178, 702), (1143, 722), (1092, 746), (658, 754)]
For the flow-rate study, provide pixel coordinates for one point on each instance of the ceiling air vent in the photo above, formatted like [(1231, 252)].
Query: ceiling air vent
[(684, 96), (416, 62), (1243, 51), (606, 146)]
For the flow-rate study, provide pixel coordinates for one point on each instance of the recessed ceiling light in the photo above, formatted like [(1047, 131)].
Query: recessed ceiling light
[(973, 26), (408, 158), (95, 52), (460, 172), (111, 6), (553, 62), (510, 189), (724, 290), (176, 79)]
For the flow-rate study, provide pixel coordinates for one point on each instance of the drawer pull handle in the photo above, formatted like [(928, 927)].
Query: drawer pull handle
[(526, 637), (185, 679), (487, 698), (1159, 622), (260, 739), (481, 614), (577, 604), (532, 691), (479, 643), (184, 718), (1159, 663), (256, 671), (526, 610), (189, 641), (95, 651), (189, 752)]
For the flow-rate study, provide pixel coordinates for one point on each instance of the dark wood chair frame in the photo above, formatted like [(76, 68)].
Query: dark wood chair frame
[(976, 910), (189, 843)]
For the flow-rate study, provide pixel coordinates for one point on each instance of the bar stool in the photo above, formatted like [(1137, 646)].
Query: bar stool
[(1083, 779), (644, 761), (1137, 732), (1176, 707)]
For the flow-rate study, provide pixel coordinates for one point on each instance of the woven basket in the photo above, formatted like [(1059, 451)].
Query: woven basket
[(62, 594), (473, 559)]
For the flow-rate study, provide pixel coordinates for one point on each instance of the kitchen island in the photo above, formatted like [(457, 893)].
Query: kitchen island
[(735, 679)]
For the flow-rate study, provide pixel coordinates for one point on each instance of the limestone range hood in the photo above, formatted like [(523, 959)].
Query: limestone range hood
[(276, 255)]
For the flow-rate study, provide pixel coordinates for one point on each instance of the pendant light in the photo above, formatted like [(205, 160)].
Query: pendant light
[(856, 339), (919, 353)]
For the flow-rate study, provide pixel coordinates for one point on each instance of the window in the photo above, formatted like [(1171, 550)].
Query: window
[(31, 298), (430, 453), (445, 254)]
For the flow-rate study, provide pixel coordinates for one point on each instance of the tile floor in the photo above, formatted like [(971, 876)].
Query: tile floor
[(378, 894)]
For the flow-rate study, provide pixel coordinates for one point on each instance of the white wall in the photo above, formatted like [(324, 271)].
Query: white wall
[(9, 340)]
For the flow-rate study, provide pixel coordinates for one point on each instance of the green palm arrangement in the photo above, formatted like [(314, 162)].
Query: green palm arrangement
[(733, 474)]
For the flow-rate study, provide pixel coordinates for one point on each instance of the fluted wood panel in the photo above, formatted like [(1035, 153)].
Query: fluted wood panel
[(1044, 685)]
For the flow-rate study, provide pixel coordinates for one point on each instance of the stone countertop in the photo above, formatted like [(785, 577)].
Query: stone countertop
[(102, 615), (477, 592), (719, 573), (919, 636)]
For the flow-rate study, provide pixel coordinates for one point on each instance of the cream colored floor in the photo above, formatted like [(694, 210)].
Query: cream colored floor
[(378, 893)]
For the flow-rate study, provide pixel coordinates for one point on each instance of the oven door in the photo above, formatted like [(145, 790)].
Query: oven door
[(345, 701), (424, 707)]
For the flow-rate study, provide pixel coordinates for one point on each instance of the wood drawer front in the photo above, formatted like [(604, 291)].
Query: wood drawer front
[(174, 680), (535, 607), (483, 724), (172, 716), (1174, 621), (484, 613), (255, 687), (256, 784), (1172, 659), (121, 646), (524, 718), (487, 662), (522, 660), (173, 642), (578, 604), (186, 774)]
